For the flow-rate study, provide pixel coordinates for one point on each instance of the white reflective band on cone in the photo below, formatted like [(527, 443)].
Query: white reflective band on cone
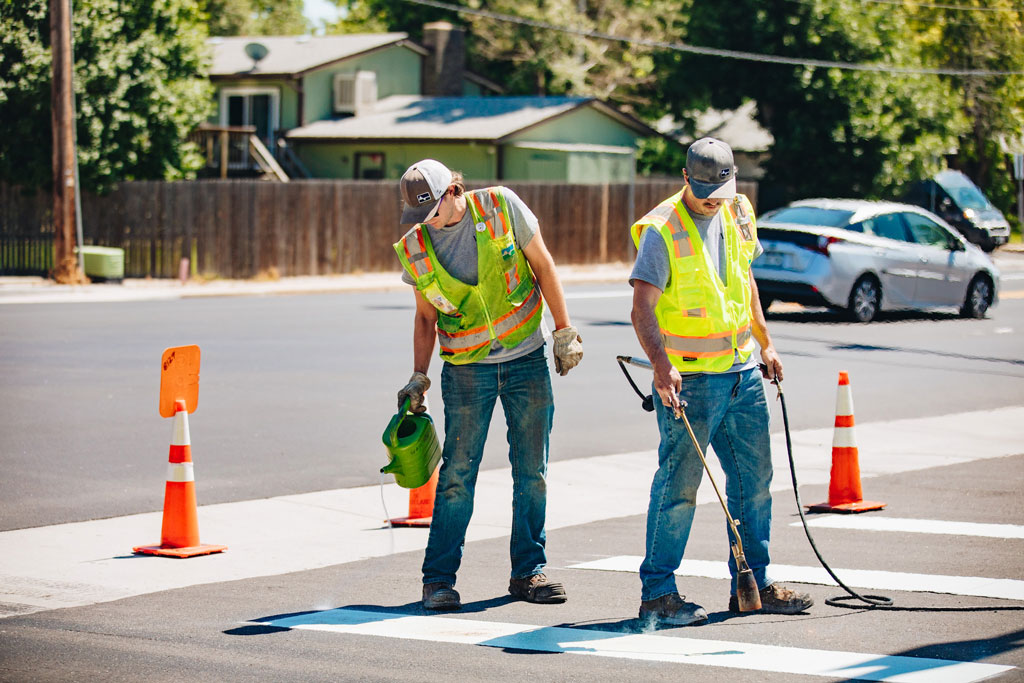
[(842, 437), (180, 472), (179, 434), (844, 400)]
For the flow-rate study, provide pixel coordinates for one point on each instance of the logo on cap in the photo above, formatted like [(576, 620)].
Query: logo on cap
[(423, 197), (724, 173)]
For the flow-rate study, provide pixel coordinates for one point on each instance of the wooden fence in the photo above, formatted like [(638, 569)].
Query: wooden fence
[(242, 228)]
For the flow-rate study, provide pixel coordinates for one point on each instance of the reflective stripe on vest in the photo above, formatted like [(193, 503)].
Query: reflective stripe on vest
[(469, 340), (416, 253), (711, 346), (680, 236), (492, 211), (493, 215)]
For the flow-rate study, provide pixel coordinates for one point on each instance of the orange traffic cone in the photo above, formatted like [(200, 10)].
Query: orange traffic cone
[(179, 536), (421, 504), (844, 494)]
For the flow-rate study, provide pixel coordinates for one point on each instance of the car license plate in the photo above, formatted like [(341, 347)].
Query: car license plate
[(774, 259)]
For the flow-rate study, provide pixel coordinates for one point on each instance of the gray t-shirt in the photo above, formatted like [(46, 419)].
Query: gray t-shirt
[(652, 260), (455, 246)]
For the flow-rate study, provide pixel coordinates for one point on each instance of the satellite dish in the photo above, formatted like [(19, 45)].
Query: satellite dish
[(256, 52)]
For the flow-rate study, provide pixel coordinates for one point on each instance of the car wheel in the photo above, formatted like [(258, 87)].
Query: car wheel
[(865, 299), (987, 244), (979, 298)]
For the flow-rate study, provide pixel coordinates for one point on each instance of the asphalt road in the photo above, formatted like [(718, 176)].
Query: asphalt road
[(294, 393)]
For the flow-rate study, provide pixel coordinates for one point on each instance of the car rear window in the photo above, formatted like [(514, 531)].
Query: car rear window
[(801, 239), (809, 215)]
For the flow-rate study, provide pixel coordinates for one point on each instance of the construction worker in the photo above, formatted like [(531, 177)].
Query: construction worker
[(697, 316), (480, 267)]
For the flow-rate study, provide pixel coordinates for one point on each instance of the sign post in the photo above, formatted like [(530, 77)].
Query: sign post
[(179, 396)]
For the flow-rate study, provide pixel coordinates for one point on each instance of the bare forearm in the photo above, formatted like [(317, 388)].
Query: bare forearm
[(666, 377), (758, 323), (759, 328), (551, 287), (648, 333), (424, 336), (550, 284)]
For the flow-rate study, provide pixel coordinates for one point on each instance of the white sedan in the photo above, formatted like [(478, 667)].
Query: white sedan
[(865, 257)]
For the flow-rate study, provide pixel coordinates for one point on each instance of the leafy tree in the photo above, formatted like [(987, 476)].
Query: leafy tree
[(837, 132), (140, 87), (985, 35), (536, 60), (255, 17), (382, 16)]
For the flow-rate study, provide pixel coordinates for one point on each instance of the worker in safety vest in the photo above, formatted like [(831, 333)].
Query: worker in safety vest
[(480, 269), (697, 316)]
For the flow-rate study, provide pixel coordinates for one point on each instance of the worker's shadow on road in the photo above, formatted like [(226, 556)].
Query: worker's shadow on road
[(278, 623), (637, 625)]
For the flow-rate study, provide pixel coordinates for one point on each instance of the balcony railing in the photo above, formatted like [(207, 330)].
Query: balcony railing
[(236, 151)]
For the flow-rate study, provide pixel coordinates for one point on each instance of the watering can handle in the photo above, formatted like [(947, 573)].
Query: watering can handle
[(396, 421)]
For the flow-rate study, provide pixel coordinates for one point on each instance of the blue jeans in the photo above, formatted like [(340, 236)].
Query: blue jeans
[(729, 411), (469, 393)]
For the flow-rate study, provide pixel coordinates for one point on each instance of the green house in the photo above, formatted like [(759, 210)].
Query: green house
[(368, 106)]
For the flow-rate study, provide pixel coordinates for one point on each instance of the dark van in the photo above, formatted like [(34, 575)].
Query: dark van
[(952, 195)]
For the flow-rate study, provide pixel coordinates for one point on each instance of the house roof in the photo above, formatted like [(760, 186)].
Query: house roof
[(737, 127), (411, 117), (292, 55)]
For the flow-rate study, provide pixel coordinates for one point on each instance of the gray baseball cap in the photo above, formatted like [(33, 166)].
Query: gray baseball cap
[(423, 186), (711, 170)]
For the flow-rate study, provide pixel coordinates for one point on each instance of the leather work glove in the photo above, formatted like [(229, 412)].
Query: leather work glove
[(418, 384), (568, 349)]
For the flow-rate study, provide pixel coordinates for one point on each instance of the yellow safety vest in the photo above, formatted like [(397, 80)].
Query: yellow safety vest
[(506, 302), (705, 325)]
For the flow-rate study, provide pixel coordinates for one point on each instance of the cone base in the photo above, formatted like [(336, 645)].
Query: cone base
[(191, 551), (847, 508), (411, 521)]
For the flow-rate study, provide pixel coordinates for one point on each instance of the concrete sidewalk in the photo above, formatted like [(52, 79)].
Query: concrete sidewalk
[(34, 290)]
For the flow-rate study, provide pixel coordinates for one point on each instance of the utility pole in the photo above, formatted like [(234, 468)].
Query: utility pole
[(1018, 173), (65, 265)]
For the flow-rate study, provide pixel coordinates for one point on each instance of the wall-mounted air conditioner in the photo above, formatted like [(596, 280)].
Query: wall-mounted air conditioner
[(354, 92)]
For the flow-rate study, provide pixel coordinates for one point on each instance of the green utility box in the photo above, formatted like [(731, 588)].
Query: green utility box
[(103, 263)]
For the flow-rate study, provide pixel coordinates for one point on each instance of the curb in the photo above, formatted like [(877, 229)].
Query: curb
[(33, 289)]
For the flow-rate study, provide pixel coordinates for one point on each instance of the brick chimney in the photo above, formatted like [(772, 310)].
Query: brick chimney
[(444, 66)]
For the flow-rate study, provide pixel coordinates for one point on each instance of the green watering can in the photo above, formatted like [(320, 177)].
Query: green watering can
[(412, 446)]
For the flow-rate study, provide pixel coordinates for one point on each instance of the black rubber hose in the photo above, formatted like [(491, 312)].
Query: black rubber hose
[(873, 601)]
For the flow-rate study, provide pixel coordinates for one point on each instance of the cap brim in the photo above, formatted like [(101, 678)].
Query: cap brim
[(726, 190), (419, 214)]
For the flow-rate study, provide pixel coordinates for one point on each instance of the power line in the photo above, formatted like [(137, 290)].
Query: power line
[(713, 51)]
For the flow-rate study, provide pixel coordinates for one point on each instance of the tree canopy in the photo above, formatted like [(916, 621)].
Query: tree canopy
[(140, 87), (837, 131), (255, 17)]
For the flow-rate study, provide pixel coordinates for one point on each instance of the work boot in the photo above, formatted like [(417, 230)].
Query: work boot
[(672, 609), (537, 589), (776, 599), (440, 596)]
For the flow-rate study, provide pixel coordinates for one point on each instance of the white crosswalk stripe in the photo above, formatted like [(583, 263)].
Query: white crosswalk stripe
[(1006, 589), (916, 526), (643, 646)]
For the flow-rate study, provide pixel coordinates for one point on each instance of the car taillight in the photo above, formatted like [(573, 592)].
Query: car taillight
[(824, 243)]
